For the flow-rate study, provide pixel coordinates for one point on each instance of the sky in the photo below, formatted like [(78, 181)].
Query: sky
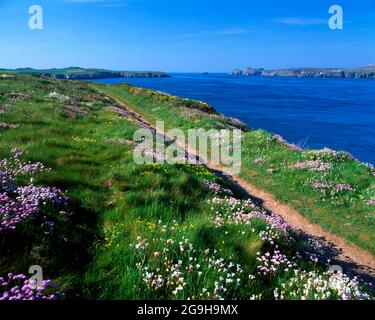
[(186, 35)]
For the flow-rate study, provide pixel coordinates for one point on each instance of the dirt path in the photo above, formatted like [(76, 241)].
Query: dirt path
[(352, 259)]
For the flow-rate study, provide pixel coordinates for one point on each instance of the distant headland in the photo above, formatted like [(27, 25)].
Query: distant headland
[(77, 73), (367, 72)]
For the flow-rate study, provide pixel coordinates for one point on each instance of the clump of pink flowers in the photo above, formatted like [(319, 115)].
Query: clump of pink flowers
[(332, 189), (17, 203), (230, 210), (217, 188), (286, 143), (270, 264), (321, 186), (313, 166), (341, 187), (13, 166), (371, 201), (19, 287)]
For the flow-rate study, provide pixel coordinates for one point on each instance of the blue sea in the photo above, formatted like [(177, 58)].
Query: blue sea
[(313, 113)]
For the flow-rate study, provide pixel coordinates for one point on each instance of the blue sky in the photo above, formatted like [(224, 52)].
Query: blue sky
[(186, 35)]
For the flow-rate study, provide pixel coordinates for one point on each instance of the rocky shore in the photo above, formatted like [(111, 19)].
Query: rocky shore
[(367, 72)]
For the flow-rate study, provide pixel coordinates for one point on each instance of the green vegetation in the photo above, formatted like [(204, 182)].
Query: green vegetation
[(154, 231), (330, 188)]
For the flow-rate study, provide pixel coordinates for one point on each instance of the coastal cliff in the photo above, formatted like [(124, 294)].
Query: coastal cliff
[(367, 72), (77, 73)]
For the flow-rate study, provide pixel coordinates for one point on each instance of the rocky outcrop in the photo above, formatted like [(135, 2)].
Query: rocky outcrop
[(237, 72), (367, 72), (108, 74), (144, 74), (253, 72)]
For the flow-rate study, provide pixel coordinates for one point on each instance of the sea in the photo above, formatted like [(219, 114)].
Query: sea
[(310, 112)]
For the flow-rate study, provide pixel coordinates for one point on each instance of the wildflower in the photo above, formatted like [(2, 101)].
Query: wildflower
[(259, 160), (18, 203), (286, 143), (8, 125), (19, 287), (314, 166), (342, 187)]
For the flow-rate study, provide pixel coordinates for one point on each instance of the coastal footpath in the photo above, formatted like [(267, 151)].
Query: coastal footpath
[(367, 72), (77, 73)]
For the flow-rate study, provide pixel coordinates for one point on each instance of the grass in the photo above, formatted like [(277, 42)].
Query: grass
[(140, 231), (48, 132), (266, 162)]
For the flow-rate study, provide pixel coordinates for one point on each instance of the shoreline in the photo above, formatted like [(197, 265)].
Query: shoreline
[(366, 72)]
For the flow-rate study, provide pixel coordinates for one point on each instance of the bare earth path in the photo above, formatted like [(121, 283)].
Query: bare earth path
[(351, 258)]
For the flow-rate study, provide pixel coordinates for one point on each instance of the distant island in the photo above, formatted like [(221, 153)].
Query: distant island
[(367, 72), (77, 73)]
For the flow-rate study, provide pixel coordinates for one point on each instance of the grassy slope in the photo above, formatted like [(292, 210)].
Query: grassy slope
[(114, 201), (90, 159), (49, 134), (345, 214)]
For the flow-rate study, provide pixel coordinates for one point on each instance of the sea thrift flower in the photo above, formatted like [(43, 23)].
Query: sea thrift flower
[(286, 143), (270, 264), (19, 287), (321, 186), (216, 188), (17, 203), (230, 210), (314, 166), (342, 187)]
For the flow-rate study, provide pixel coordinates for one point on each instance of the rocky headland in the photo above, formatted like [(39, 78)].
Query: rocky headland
[(367, 72), (77, 73)]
